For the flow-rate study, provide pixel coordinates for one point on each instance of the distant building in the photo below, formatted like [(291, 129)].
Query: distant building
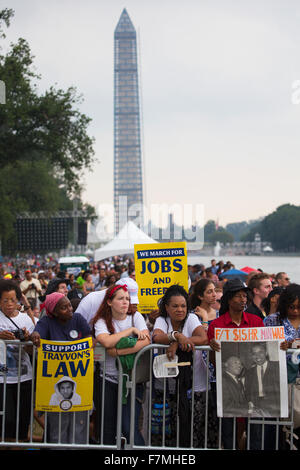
[(128, 174)]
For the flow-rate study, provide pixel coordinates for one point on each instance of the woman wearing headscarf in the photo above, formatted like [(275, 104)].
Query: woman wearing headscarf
[(61, 324)]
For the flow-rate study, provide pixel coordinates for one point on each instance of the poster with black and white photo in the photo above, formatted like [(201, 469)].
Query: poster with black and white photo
[(251, 373)]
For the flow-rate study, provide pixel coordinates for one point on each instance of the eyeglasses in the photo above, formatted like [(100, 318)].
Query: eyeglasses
[(5, 301), (241, 296)]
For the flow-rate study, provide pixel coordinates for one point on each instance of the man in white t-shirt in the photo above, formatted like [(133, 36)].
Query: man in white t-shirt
[(89, 305), (31, 288)]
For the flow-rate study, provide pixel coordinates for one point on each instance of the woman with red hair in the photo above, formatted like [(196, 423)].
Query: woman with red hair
[(114, 322)]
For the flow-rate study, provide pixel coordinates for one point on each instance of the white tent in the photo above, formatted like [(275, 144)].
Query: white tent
[(267, 248), (123, 243)]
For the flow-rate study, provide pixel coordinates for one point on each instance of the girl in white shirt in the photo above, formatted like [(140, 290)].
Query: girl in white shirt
[(112, 323)]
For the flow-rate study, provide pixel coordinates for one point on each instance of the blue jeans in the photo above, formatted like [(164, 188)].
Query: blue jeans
[(110, 414)]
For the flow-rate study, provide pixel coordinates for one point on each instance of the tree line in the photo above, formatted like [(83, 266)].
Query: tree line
[(281, 228), (44, 140)]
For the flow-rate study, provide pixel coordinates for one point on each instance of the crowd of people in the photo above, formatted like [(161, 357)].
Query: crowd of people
[(42, 301)]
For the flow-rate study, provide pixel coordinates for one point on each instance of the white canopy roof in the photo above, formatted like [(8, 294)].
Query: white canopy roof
[(73, 259), (123, 243)]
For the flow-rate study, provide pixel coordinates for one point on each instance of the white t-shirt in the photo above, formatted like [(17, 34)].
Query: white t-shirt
[(90, 303), (31, 293), (111, 371), (192, 322), (12, 351)]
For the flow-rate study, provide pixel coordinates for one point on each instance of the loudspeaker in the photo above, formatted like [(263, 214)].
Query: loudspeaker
[(82, 232), (42, 234)]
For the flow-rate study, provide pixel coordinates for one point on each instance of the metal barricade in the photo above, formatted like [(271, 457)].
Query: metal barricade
[(151, 389), (242, 429), (43, 441), (97, 418)]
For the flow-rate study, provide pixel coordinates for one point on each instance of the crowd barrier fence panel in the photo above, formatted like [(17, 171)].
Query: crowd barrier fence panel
[(147, 409), (278, 423)]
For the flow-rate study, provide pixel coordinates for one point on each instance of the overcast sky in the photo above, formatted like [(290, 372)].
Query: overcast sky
[(220, 121)]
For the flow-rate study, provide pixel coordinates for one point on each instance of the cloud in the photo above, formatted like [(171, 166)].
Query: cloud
[(216, 80)]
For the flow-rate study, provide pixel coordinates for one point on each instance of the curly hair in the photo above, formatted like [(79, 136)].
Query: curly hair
[(287, 298), (172, 291), (7, 285)]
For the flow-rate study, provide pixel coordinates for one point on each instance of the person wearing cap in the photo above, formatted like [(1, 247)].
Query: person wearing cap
[(133, 289), (260, 286), (31, 288), (90, 304), (232, 311), (61, 324), (232, 315)]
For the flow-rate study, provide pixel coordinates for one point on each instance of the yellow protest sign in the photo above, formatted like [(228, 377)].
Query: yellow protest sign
[(65, 374), (157, 267)]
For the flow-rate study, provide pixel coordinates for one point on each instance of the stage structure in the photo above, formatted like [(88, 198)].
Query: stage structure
[(43, 231)]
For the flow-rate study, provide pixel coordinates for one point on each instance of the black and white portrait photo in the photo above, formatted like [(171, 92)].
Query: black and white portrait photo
[(251, 380)]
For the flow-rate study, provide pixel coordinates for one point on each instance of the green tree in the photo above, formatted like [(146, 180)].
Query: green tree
[(209, 229), (282, 228), (44, 141), (47, 126), (222, 236), (240, 229)]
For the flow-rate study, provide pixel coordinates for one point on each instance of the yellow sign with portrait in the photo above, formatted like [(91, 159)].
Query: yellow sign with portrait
[(65, 374), (157, 267)]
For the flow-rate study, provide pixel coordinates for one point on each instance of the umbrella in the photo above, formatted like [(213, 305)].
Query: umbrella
[(233, 274), (248, 270)]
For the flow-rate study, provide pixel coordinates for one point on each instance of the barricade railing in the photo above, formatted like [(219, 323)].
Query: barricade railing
[(162, 433), (42, 441), (280, 429)]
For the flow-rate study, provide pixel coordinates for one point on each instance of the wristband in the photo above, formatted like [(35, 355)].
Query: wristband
[(173, 335)]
